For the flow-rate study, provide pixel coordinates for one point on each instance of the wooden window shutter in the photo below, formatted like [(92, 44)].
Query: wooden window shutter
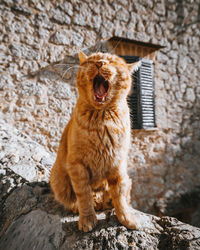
[(141, 100)]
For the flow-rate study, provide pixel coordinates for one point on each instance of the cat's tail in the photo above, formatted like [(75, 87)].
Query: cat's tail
[(62, 188)]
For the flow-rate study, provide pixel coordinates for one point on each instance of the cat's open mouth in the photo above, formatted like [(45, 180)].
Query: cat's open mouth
[(100, 87)]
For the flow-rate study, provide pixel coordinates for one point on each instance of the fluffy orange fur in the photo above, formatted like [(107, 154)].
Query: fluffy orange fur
[(91, 164)]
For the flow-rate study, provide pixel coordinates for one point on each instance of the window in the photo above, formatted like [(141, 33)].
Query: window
[(142, 98)]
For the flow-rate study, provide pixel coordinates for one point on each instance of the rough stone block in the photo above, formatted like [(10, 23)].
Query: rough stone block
[(63, 37), (42, 20), (22, 51), (190, 95), (60, 17), (22, 9), (67, 8)]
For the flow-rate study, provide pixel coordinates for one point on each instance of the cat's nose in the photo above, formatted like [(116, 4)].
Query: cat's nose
[(99, 64)]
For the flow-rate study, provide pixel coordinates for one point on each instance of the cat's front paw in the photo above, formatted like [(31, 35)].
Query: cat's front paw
[(129, 220), (87, 223)]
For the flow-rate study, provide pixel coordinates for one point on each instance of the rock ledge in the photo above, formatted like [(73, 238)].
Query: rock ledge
[(31, 219)]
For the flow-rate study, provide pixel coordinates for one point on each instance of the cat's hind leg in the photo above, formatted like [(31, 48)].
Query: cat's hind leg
[(62, 188), (102, 197)]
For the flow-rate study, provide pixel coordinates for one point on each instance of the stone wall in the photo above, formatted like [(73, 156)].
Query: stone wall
[(40, 38)]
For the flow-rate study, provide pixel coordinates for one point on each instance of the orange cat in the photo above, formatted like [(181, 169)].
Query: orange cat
[(92, 154)]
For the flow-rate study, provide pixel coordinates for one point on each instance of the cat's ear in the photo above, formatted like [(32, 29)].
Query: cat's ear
[(134, 66), (82, 57)]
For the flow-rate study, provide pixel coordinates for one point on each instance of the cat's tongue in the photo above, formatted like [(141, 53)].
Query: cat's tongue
[(100, 86), (100, 91)]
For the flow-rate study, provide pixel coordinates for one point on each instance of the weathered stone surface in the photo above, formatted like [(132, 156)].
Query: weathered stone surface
[(77, 39), (61, 37), (60, 17), (30, 218), (39, 224), (63, 90), (67, 7), (190, 95), (42, 20), (22, 10), (17, 151), (123, 15), (23, 51)]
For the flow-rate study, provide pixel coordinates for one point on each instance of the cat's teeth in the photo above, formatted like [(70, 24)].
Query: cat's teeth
[(102, 100)]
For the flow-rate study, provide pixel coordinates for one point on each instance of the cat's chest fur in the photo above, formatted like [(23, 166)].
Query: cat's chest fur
[(101, 140)]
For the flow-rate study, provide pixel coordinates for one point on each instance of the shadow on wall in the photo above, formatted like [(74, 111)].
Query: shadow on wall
[(182, 179)]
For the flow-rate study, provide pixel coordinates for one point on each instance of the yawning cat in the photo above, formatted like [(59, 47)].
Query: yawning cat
[(93, 151)]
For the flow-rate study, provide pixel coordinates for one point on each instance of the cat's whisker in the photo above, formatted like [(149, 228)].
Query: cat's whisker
[(61, 64), (113, 49), (75, 66), (98, 47), (58, 64)]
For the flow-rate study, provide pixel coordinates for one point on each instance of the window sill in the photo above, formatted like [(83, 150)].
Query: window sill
[(146, 130)]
